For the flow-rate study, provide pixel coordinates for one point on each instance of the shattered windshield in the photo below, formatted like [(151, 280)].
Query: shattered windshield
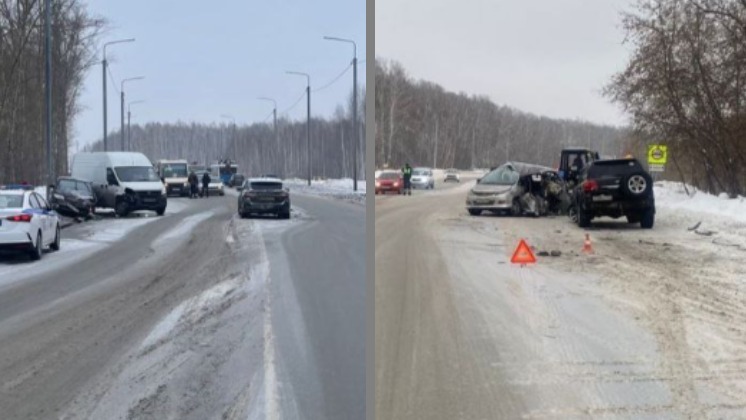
[(503, 175)]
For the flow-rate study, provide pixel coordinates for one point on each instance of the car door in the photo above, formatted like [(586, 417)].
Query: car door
[(39, 219), (50, 219)]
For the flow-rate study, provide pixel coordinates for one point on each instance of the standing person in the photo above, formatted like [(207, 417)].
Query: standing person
[(407, 173), (206, 185), (194, 185)]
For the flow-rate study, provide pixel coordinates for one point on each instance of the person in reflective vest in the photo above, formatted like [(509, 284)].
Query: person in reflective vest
[(407, 175)]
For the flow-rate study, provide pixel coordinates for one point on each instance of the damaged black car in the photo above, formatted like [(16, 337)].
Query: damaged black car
[(72, 197)]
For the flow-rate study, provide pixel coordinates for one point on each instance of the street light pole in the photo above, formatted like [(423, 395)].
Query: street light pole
[(48, 86), (121, 106), (129, 127), (354, 107), (103, 67), (308, 120), (277, 138)]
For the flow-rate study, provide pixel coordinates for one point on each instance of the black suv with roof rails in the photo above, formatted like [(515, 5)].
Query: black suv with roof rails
[(614, 188)]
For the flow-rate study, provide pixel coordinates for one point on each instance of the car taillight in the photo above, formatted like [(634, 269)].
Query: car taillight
[(396, 184), (590, 186), (20, 218)]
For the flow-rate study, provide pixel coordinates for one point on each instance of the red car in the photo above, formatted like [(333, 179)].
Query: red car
[(389, 182)]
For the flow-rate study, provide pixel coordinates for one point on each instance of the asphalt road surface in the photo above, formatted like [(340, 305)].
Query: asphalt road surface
[(649, 326), (195, 315)]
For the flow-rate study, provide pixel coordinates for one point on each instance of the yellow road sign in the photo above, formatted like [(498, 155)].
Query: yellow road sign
[(657, 154)]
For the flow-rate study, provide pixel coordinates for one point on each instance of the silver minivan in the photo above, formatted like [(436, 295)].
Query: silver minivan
[(518, 188)]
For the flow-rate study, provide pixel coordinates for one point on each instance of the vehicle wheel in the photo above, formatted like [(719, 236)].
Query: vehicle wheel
[(121, 208), (648, 218), (572, 212), (161, 210), (634, 218), (475, 212), (55, 246), (638, 184), (515, 208), (38, 249), (584, 218)]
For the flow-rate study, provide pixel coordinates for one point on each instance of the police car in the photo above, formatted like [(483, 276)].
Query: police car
[(27, 222)]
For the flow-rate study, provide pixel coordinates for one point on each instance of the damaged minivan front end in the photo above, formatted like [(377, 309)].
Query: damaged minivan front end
[(519, 189)]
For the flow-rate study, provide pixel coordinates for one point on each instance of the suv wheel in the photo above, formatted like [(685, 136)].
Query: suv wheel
[(583, 217), (637, 184), (648, 218), (475, 212)]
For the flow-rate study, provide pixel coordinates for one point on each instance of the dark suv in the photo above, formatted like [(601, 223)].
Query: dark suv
[(262, 196), (614, 188)]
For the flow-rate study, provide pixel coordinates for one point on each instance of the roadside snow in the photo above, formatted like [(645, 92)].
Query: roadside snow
[(336, 188), (672, 195)]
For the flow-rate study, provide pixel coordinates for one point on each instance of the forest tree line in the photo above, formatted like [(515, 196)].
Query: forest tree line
[(421, 123), (256, 148), (22, 111)]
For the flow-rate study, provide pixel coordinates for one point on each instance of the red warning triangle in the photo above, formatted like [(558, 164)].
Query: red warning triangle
[(523, 254)]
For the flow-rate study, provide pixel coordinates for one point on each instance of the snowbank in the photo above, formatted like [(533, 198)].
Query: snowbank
[(672, 196), (336, 188)]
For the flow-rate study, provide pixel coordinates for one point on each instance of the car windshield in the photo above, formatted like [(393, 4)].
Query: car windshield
[(420, 172), (11, 201), (389, 175), (503, 175), (266, 185), (136, 174), (66, 185), (175, 170)]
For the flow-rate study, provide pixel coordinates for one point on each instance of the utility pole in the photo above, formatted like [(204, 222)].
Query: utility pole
[(277, 137), (121, 131), (48, 86), (129, 130), (355, 131), (308, 120), (103, 67)]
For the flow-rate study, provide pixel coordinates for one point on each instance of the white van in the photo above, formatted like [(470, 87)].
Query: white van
[(123, 181), (175, 174)]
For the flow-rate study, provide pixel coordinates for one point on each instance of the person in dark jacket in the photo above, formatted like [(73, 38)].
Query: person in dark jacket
[(206, 185), (407, 175), (194, 185)]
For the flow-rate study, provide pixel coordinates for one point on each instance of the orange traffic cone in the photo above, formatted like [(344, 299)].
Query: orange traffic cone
[(587, 248)]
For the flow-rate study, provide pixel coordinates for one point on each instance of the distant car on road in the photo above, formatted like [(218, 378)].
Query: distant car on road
[(216, 184), (452, 175), (262, 196), (614, 188), (389, 182), (73, 197), (27, 222), (423, 178), (236, 180)]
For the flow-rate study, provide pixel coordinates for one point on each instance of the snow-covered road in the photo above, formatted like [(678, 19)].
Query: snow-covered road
[(649, 326), (196, 315)]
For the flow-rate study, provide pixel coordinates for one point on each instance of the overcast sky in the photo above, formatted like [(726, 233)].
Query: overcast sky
[(202, 59), (548, 57)]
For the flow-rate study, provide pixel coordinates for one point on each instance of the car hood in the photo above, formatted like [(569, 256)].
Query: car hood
[(491, 188), (143, 186)]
